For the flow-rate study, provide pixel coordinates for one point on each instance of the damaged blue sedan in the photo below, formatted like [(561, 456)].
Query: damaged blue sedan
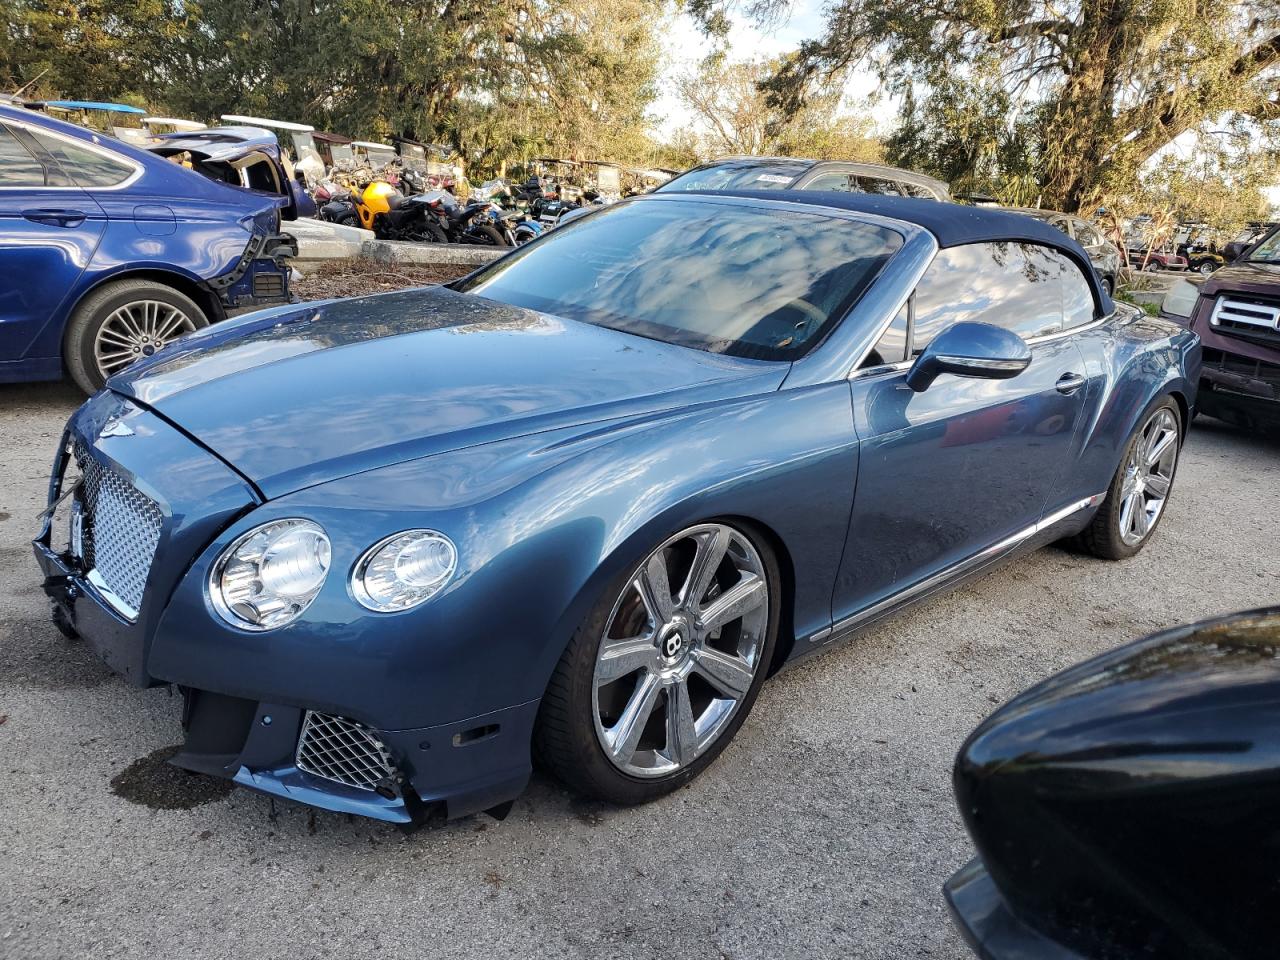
[(581, 503)]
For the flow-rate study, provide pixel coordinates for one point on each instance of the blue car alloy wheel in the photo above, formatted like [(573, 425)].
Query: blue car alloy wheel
[(581, 503)]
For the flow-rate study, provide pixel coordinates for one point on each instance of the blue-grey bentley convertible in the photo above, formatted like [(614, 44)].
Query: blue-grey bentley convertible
[(582, 502)]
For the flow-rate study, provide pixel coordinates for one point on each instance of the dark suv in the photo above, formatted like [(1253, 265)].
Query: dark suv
[(1236, 312), (788, 173)]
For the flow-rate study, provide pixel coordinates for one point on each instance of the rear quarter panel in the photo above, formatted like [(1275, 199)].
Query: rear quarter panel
[(1132, 360)]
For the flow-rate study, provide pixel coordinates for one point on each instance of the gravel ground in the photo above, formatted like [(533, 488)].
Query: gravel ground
[(355, 278), (825, 830)]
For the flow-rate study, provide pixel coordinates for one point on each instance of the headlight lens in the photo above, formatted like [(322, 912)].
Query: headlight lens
[(270, 575), (404, 570), (1180, 301)]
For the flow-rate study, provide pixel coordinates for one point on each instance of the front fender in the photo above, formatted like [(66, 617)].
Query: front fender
[(541, 523)]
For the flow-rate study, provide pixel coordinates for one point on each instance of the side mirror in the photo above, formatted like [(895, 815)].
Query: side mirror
[(970, 350)]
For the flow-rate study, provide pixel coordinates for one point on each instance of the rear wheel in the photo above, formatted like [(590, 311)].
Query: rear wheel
[(487, 235), (660, 676), (122, 322), (1140, 490)]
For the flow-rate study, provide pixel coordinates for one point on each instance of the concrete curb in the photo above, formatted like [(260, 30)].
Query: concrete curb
[(400, 251)]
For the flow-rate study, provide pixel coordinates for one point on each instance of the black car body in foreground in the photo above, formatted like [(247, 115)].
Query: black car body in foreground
[(1128, 807)]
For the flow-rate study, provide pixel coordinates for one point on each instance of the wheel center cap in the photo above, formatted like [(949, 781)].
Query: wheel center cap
[(673, 640)]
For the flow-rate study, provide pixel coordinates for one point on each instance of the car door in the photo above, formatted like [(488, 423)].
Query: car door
[(946, 474), (49, 230)]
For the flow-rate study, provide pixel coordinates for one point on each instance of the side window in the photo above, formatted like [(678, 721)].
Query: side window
[(1017, 286), (1077, 295), (18, 168), (892, 345), (88, 168), (829, 181), (1088, 235), (877, 185)]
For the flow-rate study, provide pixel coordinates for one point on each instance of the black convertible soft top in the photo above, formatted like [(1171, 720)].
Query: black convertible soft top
[(951, 223)]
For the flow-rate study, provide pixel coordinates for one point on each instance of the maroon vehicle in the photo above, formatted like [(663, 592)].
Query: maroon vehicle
[(1153, 260), (1236, 312)]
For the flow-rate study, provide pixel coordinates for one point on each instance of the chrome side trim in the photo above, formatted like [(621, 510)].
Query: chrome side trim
[(110, 597), (970, 362), (1083, 328), (956, 570)]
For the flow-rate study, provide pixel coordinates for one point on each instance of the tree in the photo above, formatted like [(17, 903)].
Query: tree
[(1096, 87), (86, 50), (497, 79), (734, 116)]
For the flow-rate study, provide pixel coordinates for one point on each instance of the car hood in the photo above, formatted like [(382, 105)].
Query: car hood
[(1245, 276), (300, 395)]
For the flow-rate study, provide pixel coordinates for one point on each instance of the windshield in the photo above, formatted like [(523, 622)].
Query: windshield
[(748, 281), (737, 175), (1268, 251)]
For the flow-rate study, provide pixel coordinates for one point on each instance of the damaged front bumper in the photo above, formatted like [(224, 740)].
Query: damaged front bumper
[(273, 734)]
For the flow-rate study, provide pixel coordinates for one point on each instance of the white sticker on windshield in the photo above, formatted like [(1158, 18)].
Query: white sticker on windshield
[(773, 178)]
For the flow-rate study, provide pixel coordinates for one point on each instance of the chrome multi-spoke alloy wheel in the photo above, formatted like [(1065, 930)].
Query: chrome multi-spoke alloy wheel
[(136, 330), (1148, 476), (680, 650)]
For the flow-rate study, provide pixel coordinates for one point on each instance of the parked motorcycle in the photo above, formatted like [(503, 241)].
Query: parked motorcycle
[(470, 224)]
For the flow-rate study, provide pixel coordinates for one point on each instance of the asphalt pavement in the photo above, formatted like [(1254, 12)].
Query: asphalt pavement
[(825, 830)]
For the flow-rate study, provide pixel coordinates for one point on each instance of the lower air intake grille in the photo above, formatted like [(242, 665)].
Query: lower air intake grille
[(340, 750)]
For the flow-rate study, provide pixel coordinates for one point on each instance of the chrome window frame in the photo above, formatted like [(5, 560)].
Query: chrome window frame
[(93, 147)]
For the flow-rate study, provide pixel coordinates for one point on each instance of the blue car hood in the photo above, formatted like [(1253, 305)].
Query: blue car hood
[(300, 395)]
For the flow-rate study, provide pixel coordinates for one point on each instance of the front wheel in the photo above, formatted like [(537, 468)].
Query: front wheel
[(664, 670), (1207, 267), (122, 322), (1141, 487)]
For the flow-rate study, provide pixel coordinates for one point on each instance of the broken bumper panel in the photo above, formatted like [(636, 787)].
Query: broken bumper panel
[(195, 495), (451, 770)]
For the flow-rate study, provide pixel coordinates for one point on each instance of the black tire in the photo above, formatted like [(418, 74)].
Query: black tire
[(565, 740), (1102, 537), (93, 311), (1108, 285), (487, 235)]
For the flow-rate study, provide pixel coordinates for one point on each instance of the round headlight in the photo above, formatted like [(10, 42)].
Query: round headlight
[(403, 570), (268, 576)]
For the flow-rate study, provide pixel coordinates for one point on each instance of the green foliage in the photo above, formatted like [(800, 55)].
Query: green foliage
[(86, 50)]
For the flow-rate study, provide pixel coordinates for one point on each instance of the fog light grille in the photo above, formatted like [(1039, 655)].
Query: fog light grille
[(343, 751)]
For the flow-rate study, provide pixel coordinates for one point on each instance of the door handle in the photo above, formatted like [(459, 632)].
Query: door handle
[(1069, 383), (56, 218)]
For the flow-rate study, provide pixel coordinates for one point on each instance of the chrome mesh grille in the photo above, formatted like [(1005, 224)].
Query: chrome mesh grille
[(121, 529), (343, 751)]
